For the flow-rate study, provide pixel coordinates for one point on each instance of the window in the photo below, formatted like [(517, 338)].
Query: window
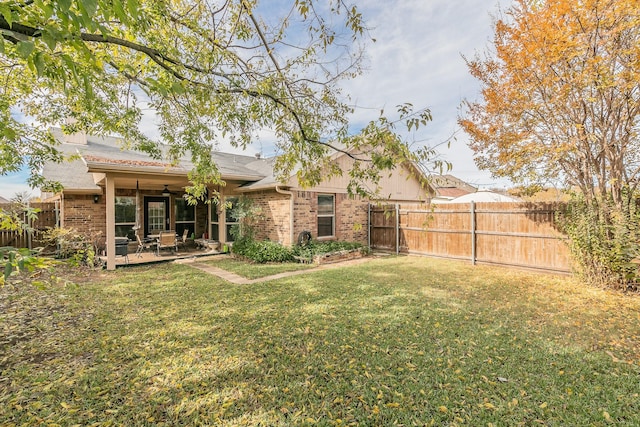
[(125, 217), (229, 204), (215, 220), (230, 219), (185, 216), (326, 215)]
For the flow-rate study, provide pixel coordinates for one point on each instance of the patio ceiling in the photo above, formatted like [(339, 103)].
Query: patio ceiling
[(154, 182), (146, 182)]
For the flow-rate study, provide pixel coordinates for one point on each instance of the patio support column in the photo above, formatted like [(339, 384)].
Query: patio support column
[(222, 219), (111, 222)]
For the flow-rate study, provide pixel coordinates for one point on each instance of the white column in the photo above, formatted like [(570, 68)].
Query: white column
[(222, 219), (111, 222)]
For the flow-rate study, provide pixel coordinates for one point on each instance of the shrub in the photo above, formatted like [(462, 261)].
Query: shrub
[(263, 251), (315, 247), (267, 251), (79, 248), (603, 240)]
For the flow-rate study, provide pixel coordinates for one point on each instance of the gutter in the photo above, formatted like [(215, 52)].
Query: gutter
[(290, 194), (130, 170)]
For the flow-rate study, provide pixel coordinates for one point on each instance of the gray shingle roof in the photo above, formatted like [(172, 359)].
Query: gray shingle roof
[(106, 153)]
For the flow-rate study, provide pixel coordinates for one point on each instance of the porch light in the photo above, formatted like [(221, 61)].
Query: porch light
[(96, 198), (166, 191)]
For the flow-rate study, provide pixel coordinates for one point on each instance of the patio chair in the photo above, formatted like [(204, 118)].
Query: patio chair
[(183, 241), (144, 244), (167, 239)]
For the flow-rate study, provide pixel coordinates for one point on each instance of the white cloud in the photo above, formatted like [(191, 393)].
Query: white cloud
[(418, 58)]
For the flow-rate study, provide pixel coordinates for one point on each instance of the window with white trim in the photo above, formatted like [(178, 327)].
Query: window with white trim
[(326, 215)]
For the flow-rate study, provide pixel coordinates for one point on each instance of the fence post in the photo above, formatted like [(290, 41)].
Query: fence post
[(473, 232), (397, 229), (29, 230), (369, 226)]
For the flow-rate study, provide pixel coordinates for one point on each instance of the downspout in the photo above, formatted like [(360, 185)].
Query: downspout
[(290, 194)]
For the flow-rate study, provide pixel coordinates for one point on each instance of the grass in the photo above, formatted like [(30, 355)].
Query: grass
[(395, 341), (256, 271)]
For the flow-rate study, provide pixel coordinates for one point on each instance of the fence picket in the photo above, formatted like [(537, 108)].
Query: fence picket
[(516, 234), (47, 218)]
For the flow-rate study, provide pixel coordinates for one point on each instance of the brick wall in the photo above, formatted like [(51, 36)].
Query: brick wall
[(274, 223), (351, 216), (202, 218), (81, 213)]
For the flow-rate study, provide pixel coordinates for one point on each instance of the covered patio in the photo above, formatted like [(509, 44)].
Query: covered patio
[(150, 256)]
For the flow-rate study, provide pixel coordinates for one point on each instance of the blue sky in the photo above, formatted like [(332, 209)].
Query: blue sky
[(417, 58)]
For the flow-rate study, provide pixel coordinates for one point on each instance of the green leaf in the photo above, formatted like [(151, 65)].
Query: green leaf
[(46, 7), (68, 62), (8, 268), (90, 6), (64, 5), (118, 10), (87, 86), (133, 6), (49, 40), (177, 88), (25, 48), (5, 10), (39, 62)]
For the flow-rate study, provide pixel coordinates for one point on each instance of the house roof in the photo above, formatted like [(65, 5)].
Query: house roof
[(484, 196), (104, 154), (451, 192), (94, 155)]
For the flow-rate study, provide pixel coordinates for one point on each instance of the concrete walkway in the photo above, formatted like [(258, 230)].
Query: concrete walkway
[(239, 280)]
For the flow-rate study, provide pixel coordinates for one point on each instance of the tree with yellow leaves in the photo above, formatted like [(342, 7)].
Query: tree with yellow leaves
[(561, 101)]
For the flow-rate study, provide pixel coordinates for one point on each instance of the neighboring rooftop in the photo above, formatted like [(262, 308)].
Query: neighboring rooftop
[(449, 187), (484, 196)]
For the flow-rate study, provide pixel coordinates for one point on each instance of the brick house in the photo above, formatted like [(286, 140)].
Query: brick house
[(109, 192)]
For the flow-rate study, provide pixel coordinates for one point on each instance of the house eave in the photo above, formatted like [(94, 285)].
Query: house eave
[(259, 188), (106, 168), (82, 191), (181, 173)]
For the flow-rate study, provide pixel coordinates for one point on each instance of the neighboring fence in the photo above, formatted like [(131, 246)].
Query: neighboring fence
[(512, 234), (47, 217)]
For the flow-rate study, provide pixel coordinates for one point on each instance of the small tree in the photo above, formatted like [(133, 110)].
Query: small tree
[(18, 215), (248, 216)]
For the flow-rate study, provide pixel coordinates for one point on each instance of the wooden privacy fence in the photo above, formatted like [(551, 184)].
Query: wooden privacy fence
[(510, 234), (47, 218)]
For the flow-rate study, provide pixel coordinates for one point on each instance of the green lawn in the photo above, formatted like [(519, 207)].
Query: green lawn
[(255, 271), (394, 341)]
